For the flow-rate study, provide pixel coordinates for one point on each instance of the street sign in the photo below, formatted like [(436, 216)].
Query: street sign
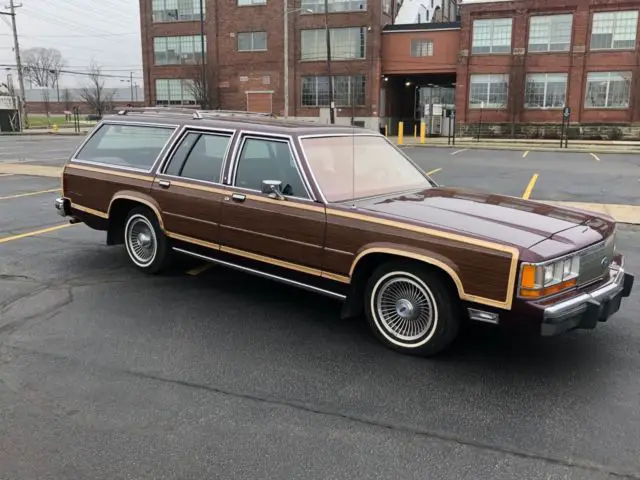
[(566, 112)]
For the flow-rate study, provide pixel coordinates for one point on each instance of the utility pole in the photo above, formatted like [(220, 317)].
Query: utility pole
[(332, 114), (16, 46), (286, 59), (204, 86)]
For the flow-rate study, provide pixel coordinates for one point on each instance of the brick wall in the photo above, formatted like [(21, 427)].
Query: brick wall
[(576, 63), (396, 52), (240, 72)]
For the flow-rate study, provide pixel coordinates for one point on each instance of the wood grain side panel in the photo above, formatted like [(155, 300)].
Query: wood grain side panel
[(483, 272), (190, 212), (94, 188), (278, 231)]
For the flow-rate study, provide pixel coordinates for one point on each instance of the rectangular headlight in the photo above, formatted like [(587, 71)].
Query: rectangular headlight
[(539, 280)]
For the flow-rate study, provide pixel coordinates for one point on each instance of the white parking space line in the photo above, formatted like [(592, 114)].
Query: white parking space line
[(524, 155), (595, 156), (459, 151), (432, 172)]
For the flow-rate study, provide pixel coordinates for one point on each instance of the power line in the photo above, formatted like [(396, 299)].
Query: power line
[(72, 72), (84, 35)]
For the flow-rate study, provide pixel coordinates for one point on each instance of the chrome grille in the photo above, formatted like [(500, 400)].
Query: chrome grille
[(593, 265)]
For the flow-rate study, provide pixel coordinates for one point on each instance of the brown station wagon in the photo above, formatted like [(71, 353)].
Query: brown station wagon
[(341, 211)]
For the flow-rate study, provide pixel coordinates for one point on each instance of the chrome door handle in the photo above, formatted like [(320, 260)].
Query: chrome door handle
[(238, 197), (164, 183)]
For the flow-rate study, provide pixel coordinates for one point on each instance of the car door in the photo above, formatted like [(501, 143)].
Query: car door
[(287, 233), (188, 188)]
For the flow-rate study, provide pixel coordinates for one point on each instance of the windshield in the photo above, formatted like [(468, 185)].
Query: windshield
[(379, 168)]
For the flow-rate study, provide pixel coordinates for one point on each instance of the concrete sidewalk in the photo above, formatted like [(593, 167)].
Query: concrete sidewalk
[(575, 146), (48, 131)]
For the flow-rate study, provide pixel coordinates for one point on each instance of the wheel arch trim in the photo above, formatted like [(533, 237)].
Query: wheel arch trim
[(430, 258), (140, 198)]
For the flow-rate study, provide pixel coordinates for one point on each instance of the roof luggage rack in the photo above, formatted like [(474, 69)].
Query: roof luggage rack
[(193, 112), (222, 113), (179, 110)]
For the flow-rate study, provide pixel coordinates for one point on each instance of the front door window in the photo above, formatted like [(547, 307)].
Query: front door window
[(262, 159)]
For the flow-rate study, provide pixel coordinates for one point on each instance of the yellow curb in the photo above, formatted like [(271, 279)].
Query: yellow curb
[(33, 170)]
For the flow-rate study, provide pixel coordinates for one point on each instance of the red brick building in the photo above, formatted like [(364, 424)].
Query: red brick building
[(245, 54), (518, 63), (526, 60), (510, 66)]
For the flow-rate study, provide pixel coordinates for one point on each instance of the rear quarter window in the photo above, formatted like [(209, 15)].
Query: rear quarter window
[(133, 146)]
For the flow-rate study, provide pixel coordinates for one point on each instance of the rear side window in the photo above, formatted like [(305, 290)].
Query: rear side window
[(134, 146), (199, 156)]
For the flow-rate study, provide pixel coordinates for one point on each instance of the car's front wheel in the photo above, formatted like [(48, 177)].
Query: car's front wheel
[(146, 244), (411, 308)]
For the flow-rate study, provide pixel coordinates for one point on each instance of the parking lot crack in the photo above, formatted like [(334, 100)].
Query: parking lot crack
[(41, 304), (362, 420)]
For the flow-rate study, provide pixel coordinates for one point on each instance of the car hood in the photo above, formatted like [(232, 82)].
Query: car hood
[(499, 218)]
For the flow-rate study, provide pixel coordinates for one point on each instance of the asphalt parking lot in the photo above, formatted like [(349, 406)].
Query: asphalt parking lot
[(209, 373), (575, 177)]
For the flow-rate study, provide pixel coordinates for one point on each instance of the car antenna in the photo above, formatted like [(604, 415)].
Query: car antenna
[(353, 144)]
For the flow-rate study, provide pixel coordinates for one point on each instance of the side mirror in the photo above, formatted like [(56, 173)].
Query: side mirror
[(273, 188)]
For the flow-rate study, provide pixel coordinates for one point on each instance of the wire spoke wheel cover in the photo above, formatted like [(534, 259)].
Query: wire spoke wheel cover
[(405, 309), (141, 241)]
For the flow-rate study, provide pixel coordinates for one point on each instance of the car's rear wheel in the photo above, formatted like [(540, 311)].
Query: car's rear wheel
[(411, 308), (146, 244)]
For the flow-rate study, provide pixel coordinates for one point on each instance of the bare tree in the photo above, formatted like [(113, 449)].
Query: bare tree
[(42, 66), (97, 98), (10, 91), (46, 102), (67, 100), (204, 88)]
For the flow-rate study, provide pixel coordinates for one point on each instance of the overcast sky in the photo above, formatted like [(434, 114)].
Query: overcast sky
[(107, 31)]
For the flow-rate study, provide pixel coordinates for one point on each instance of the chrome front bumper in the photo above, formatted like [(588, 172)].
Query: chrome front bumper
[(587, 309)]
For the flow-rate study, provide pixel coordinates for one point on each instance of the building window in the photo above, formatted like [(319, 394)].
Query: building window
[(317, 6), (244, 3), (175, 91), (176, 10), (550, 33), (178, 50), (421, 48), (346, 44), (252, 41), (489, 91), (386, 7), (608, 90), (347, 91), (546, 90), (613, 30), (491, 36)]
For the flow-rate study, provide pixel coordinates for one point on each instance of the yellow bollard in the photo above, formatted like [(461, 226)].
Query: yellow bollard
[(423, 129), (385, 131), (400, 133), (415, 131), (55, 127)]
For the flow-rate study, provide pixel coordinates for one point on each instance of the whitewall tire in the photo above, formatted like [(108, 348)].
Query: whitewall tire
[(411, 308), (146, 244)]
